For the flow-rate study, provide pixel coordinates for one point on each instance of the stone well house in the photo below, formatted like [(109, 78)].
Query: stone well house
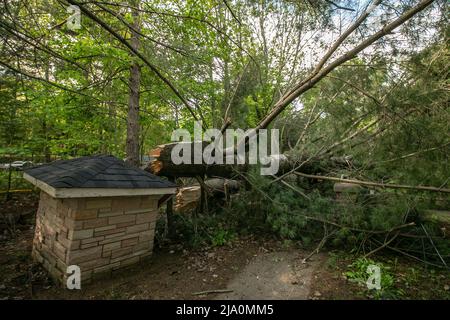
[(94, 212)]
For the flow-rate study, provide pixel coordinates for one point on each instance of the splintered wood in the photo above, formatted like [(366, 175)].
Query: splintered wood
[(187, 198), (155, 166)]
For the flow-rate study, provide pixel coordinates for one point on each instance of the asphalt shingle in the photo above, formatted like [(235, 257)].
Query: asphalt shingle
[(96, 172)]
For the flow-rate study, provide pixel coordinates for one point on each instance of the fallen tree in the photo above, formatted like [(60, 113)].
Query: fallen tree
[(306, 167), (163, 165)]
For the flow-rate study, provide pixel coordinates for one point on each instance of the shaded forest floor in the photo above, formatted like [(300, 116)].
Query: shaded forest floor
[(250, 268)]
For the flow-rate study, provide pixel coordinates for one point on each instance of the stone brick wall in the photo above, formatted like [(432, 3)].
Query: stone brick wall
[(99, 235)]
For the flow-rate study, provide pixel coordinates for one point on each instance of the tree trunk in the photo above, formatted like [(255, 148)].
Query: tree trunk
[(162, 164), (132, 144)]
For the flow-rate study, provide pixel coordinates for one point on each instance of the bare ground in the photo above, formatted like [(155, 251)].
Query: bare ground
[(274, 275)]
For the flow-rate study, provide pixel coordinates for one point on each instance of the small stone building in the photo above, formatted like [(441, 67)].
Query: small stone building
[(95, 212)]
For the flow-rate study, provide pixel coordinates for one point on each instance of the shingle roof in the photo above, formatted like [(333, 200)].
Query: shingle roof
[(96, 172)]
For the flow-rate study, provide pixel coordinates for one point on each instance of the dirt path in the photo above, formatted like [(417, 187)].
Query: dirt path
[(274, 275)]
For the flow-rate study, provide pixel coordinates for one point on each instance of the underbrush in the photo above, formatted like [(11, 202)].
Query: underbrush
[(360, 272), (364, 224), (197, 230), (400, 278), (12, 180)]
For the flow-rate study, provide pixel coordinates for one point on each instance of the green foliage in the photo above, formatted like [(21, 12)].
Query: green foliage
[(17, 182), (360, 223), (278, 208), (358, 272), (222, 237), (196, 230), (387, 108)]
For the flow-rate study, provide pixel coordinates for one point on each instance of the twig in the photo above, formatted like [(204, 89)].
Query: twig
[(225, 125), (322, 242), (210, 291), (432, 243), (231, 11), (415, 153), (361, 230), (339, 6), (227, 117), (411, 256), (384, 245)]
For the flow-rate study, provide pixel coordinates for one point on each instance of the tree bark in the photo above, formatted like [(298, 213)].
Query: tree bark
[(162, 164), (132, 144)]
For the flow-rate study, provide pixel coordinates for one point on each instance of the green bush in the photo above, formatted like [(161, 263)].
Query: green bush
[(273, 208)]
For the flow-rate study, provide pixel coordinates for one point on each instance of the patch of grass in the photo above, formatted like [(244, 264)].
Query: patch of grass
[(222, 237), (360, 271), (400, 278)]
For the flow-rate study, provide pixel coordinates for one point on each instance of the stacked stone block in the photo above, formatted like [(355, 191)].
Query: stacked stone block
[(99, 235)]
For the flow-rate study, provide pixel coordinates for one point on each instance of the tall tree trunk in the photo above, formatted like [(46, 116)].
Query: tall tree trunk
[(47, 154), (132, 145)]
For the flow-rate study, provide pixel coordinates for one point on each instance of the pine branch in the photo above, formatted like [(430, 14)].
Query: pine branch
[(374, 184)]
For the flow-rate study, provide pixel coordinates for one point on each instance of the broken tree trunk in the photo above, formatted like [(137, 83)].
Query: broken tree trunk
[(222, 185), (188, 198), (162, 164)]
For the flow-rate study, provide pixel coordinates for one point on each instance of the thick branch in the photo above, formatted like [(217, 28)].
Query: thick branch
[(374, 184), (345, 35), (312, 81)]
